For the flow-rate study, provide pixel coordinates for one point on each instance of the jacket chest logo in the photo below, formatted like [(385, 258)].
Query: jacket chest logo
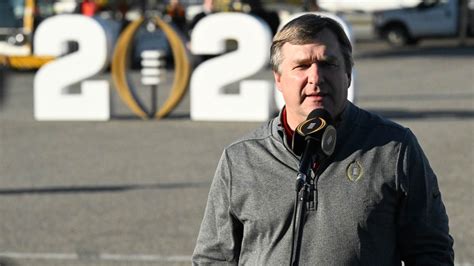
[(354, 171)]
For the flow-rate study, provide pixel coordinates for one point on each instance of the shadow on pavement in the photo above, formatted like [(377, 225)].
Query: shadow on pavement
[(177, 116), (419, 97), (388, 113), (7, 262), (421, 114), (100, 189), (419, 51)]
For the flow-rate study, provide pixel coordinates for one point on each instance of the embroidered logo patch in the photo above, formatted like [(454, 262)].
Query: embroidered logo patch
[(354, 171)]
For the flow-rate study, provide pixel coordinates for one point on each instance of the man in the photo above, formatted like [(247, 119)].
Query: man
[(207, 8), (377, 200)]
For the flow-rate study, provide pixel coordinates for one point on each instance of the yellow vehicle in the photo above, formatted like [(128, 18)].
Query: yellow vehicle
[(17, 24)]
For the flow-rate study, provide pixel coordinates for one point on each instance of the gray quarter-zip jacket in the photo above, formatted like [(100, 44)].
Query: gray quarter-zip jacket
[(377, 201)]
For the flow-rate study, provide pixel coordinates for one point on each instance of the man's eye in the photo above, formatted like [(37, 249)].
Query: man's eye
[(328, 64), (302, 66)]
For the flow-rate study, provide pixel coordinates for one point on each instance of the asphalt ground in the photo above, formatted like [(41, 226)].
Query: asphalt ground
[(133, 192)]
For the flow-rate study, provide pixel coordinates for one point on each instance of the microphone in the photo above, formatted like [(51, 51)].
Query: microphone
[(314, 139)]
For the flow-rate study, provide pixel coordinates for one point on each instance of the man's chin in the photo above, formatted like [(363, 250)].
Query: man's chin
[(315, 106)]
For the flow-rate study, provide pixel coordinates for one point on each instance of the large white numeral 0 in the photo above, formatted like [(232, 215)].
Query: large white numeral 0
[(351, 94), (51, 98), (208, 101)]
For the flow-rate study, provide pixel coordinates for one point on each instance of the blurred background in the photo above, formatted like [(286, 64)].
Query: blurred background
[(132, 190)]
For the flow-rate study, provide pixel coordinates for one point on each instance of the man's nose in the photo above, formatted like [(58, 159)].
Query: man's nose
[(314, 76)]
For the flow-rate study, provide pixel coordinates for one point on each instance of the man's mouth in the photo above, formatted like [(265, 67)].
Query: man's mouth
[(316, 96)]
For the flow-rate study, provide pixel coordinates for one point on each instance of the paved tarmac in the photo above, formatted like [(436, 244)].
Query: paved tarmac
[(132, 192)]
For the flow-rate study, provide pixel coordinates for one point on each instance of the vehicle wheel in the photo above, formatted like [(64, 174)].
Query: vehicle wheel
[(397, 36)]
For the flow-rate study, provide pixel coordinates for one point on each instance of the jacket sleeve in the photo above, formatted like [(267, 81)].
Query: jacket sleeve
[(219, 238), (423, 236)]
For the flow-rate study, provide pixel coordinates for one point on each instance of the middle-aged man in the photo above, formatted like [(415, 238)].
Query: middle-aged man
[(377, 198)]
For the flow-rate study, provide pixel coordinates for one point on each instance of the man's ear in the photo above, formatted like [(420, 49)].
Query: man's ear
[(277, 77)]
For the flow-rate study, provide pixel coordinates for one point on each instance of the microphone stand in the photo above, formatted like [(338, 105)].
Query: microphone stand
[(298, 222), (303, 192)]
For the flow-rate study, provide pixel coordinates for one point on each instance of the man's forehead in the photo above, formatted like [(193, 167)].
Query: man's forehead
[(302, 51)]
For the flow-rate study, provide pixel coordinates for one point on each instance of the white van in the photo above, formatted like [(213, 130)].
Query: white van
[(365, 6), (431, 18)]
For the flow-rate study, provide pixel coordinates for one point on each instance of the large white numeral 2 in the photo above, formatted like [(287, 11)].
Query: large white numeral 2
[(208, 101), (51, 98)]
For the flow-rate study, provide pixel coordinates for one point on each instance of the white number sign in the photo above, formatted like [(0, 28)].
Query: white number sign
[(208, 101), (51, 97)]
